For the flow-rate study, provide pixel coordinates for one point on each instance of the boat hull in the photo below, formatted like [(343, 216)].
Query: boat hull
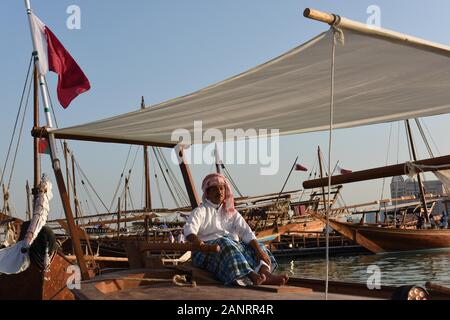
[(380, 239), (34, 284)]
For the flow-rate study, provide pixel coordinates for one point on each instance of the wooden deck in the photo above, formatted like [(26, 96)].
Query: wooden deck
[(158, 284), (215, 292)]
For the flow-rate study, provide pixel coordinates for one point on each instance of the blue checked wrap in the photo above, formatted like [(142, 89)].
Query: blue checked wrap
[(235, 260)]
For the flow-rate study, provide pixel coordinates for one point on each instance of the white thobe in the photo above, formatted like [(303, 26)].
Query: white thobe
[(209, 224)]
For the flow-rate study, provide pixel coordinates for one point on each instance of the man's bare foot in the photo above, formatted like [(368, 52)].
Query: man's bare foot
[(257, 278), (275, 280), (271, 279)]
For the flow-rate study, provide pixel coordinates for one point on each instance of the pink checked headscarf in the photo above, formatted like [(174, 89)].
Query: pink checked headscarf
[(216, 179)]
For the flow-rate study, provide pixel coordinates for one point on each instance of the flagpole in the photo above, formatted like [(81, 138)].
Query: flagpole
[(55, 161)]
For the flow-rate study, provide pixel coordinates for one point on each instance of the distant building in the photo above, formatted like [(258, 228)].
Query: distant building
[(409, 187)]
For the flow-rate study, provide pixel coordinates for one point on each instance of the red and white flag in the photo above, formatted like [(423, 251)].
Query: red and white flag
[(54, 57), (299, 167), (342, 170)]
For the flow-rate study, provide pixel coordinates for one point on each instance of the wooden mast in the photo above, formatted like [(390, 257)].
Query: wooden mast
[(148, 198), (419, 179), (55, 161)]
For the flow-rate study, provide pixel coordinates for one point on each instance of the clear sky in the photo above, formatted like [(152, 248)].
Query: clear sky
[(162, 49)]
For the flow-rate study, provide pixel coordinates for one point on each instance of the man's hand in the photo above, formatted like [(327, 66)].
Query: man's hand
[(195, 240), (260, 253)]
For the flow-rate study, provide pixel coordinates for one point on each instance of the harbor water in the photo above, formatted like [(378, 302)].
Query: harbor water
[(393, 269)]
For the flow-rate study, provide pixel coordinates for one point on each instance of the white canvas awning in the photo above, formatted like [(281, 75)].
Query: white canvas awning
[(378, 79)]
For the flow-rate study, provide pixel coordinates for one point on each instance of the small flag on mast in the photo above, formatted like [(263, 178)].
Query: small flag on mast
[(299, 167), (342, 170), (54, 57), (44, 147)]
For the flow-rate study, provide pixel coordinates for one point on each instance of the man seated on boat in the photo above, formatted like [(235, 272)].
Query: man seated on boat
[(216, 222)]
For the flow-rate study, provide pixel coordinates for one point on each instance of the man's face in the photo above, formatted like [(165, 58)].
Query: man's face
[(216, 194)]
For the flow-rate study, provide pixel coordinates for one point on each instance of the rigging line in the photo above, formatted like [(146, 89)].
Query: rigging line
[(330, 149), (309, 177), (178, 189), (17, 119), (182, 191), (165, 179), (120, 180), (232, 181), (158, 188), (90, 184), (424, 138), (130, 171), (174, 178), (20, 136), (386, 163), (228, 176), (398, 159), (89, 196), (431, 136), (131, 198)]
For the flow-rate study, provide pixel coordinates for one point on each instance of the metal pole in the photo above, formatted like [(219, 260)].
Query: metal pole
[(37, 159), (55, 161)]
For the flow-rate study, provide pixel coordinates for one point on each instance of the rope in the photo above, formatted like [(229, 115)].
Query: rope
[(424, 138), (17, 120), (89, 183), (120, 181), (20, 137), (165, 178), (337, 35), (181, 193), (181, 281), (431, 136), (386, 163), (158, 188)]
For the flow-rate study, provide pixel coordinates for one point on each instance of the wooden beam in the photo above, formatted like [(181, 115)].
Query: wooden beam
[(42, 132), (69, 217), (98, 258), (378, 173), (319, 15), (178, 247), (377, 32), (188, 180)]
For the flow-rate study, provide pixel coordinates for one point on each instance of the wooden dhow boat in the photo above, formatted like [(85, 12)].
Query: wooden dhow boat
[(266, 106)]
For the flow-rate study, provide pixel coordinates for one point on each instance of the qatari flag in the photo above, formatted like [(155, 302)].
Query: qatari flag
[(299, 167), (343, 171), (54, 57)]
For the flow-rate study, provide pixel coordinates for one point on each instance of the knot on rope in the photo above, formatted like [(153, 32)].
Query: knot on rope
[(338, 34), (182, 281), (411, 169)]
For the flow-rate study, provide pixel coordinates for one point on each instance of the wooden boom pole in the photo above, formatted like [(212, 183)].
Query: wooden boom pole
[(433, 164)]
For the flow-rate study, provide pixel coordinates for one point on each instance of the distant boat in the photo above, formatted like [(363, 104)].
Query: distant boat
[(381, 239)]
